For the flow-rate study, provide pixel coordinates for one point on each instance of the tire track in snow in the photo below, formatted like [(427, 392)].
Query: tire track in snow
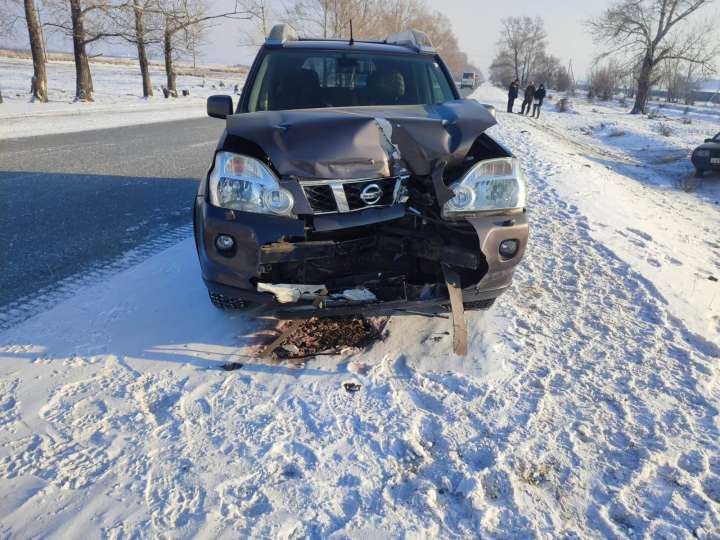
[(602, 422)]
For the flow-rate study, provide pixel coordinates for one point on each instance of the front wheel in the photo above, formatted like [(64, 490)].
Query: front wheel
[(699, 173), (227, 303)]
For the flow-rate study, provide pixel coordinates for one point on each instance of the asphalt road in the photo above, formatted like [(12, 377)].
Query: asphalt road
[(72, 202)]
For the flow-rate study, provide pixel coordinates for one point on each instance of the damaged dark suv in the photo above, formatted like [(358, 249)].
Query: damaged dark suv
[(352, 179)]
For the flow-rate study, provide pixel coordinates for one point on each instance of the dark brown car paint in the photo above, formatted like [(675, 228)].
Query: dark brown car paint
[(347, 144)]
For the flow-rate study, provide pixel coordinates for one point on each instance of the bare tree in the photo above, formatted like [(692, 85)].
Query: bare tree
[(604, 80), (522, 40), (502, 69), (39, 84), (372, 19), (179, 16), (563, 81), (545, 69), (138, 23), (89, 22), (141, 39), (11, 14), (650, 32), (331, 18)]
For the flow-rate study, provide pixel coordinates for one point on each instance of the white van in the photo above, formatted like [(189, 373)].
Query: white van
[(469, 80)]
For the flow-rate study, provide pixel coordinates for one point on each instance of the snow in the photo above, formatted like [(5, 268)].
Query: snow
[(587, 407), (118, 98), (627, 179)]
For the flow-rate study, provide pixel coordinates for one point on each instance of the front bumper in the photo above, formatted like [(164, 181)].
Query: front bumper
[(262, 241), (706, 163)]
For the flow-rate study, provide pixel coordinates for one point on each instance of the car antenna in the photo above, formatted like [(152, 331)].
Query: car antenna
[(352, 40)]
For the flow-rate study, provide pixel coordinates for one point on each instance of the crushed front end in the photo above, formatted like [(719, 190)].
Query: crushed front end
[(364, 211)]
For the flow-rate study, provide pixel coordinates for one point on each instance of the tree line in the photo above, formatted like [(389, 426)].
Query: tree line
[(174, 28), (644, 44), (165, 25)]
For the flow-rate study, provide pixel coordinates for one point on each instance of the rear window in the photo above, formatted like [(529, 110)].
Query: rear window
[(317, 79), (468, 75)]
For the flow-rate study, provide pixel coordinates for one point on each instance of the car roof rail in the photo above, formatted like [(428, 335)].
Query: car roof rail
[(415, 39), (281, 33)]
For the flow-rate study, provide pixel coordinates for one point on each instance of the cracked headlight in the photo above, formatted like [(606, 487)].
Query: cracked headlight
[(490, 185), (243, 183)]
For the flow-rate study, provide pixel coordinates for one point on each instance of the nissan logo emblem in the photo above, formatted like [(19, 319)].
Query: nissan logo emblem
[(371, 194)]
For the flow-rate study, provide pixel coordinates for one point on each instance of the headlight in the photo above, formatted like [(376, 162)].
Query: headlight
[(493, 184), (243, 183), (702, 153)]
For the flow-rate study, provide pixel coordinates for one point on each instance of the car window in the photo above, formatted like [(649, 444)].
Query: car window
[(308, 79), (717, 137)]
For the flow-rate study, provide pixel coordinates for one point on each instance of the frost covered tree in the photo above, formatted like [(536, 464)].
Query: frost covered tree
[(650, 32)]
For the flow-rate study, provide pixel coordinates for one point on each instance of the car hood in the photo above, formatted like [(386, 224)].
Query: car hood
[(364, 142)]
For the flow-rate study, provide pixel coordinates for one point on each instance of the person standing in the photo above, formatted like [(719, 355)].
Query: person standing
[(513, 94), (538, 100), (528, 99)]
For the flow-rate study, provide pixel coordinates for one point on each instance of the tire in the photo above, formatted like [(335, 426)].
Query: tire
[(227, 303), (699, 173)]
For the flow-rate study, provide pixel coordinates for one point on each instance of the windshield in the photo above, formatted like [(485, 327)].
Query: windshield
[(468, 75), (308, 79)]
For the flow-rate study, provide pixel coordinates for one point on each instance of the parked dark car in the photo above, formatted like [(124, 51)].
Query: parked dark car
[(352, 179), (706, 157)]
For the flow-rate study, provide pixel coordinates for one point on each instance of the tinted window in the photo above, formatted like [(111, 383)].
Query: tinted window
[(468, 75), (316, 79)]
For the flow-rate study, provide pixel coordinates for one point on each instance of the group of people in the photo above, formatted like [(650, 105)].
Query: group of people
[(532, 99)]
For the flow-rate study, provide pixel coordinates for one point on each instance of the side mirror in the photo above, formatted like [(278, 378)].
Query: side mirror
[(709, 140), (219, 106)]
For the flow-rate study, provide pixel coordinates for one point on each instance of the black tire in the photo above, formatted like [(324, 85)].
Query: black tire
[(699, 173), (227, 303)]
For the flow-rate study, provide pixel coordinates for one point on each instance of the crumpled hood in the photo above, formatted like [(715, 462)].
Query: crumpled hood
[(364, 142)]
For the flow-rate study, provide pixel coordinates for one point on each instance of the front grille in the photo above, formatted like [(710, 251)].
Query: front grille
[(321, 198), (328, 196), (353, 192)]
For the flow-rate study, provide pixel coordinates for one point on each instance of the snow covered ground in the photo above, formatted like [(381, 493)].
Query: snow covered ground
[(629, 181), (588, 406), (118, 101)]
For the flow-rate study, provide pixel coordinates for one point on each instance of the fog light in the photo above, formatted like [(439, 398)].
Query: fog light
[(509, 248), (224, 242)]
